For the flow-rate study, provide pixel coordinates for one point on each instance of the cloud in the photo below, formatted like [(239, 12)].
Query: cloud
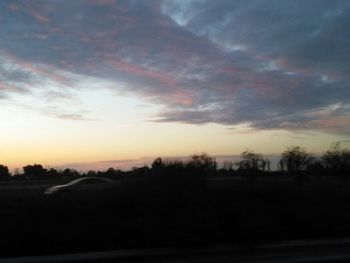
[(266, 64), (69, 116)]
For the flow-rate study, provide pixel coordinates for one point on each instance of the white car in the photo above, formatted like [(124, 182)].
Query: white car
[(81, 184)]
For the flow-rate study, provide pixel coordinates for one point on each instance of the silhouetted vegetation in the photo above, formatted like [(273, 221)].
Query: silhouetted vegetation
[(175, 203), (4, 172), (337, 160), (294, 161), (35, 171), (251, 161)]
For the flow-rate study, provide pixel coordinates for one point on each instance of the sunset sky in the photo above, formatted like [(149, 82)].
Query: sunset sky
[(91, 82)]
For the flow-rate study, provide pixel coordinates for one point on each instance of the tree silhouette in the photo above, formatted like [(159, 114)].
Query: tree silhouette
[(52, 173), (268, 164), (158, 164), (251, 161), (337, 159), (91, 173), (34, 171), (227, 165), (281, 165), (202, 162), (112, 172), (296, 159), (68, 173), (4, 172)]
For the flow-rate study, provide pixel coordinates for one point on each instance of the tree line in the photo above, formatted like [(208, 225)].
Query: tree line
[(295, 160)]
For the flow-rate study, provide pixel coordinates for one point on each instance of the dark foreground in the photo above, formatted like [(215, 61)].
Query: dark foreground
[(176, 212), (331, 250)]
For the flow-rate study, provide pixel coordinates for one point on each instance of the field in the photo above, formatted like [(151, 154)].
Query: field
[(165, 211)]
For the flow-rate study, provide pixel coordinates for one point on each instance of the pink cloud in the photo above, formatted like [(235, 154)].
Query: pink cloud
[(102, 2), (141, 71), (174, 93), (182, 97), (38, 70), (37, 16), (11, 88), (331, 123), (13, 7)]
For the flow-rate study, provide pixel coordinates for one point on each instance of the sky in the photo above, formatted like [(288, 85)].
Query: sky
[(112, 83)]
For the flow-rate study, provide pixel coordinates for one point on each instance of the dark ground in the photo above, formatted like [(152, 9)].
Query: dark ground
[(155, 212)]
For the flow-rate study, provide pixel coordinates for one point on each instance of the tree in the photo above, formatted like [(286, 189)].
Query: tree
[(69, 173), (337, 159), (281, 165), (202, 162), (227, 165), (52, 173), (315, 167), (91, 173), (158, 164), (34, 171), (172, 167), (251, 161), (4, 172), (112, 172), (265, 165), (140, 171), (295, 159), (268, 164)]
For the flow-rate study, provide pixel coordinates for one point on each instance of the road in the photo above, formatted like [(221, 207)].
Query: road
[(330, 250)]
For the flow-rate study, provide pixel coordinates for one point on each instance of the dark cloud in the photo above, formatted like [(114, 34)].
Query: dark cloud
[(270, 64)]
